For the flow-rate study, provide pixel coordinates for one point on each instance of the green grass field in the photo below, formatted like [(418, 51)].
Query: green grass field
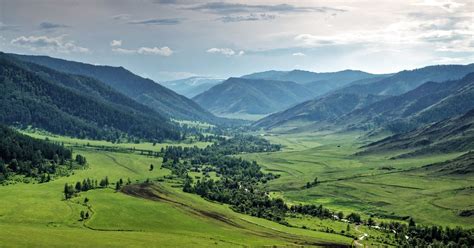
[(359, 183), (36, 215)]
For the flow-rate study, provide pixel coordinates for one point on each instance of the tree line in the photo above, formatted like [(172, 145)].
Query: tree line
[(240, 184), (24, 155)]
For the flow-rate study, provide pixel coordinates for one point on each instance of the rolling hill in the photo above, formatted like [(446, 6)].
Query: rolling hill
[(461, 165), (252, 96), (323, 109), (73, 105), (319, 83), (142, 90), (449, 135), (192, 86), (428, 103)]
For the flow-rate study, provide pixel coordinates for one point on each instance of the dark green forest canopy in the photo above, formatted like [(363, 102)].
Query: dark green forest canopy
[(21, 154), (74, 105)]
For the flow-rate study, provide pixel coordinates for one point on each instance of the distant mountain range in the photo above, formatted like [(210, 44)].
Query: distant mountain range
[(145, 91), (192, 86), (318, 83), (405, 81), (267, 92), (427, 103), (74, 105), (252, 96)]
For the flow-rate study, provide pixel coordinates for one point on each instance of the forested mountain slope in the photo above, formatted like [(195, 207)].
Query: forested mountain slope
[(21, 154), (73, 105), (142, 90)]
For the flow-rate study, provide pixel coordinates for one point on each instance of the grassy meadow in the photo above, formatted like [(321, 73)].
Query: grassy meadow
[(371, 184), (36, 215)]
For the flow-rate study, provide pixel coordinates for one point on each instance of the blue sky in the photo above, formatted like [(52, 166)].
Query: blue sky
[(170, 39)]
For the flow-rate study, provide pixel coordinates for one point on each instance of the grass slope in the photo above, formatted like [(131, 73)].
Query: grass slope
[(450, 135), (35, 215), (322, 109), (371, 184)]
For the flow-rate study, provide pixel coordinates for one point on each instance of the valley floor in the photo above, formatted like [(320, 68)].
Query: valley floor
[(161, 215), (372, 184), (36, 215)]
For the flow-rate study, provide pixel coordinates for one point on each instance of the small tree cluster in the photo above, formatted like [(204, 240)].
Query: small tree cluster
[(87, 184), (84, 215), (118, 184), (312, 184)]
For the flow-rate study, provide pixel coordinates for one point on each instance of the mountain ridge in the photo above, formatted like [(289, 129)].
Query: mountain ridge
[(144, 91), (42, 97), (252, 96)]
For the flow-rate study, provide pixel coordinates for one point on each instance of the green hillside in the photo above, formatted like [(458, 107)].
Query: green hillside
[(73, 105), (324, 109), (142, 90), (427, 103), (450, 135)]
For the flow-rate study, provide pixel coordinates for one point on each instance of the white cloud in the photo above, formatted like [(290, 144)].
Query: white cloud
[(161, 51), (225, 51), (441, 34), (447, 5), (48, 44), (249, 17), (299, 54), (450, 60), (6, 27), (116, 43), (123, 51)]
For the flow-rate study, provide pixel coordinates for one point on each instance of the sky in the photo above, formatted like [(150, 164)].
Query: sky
[(171, 39)]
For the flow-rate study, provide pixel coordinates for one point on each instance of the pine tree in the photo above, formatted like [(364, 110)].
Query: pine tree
[(66, 191), (78, 187)]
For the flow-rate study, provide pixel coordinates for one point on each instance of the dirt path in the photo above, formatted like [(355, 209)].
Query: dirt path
[(120, 164), (363, 235)]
